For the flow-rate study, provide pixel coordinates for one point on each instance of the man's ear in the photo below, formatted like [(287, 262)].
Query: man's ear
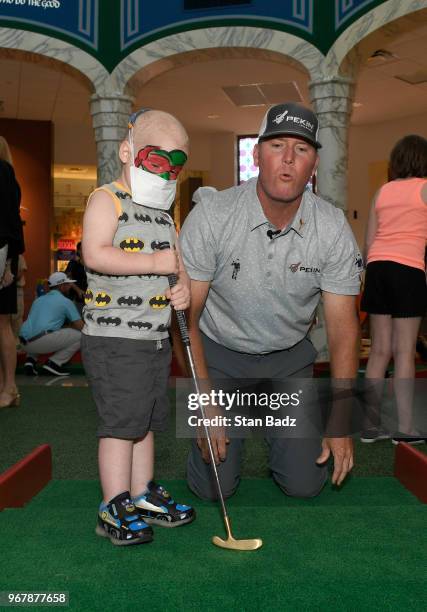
[(125, 152), (316, 163), (255, 154)]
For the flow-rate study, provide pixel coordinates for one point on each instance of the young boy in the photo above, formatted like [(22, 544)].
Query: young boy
[(125, 344)]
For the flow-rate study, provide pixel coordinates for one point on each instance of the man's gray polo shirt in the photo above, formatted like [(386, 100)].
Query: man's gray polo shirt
[(264, 291)]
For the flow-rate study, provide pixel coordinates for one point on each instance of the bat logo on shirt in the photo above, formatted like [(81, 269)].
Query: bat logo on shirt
[(162, 221), (88, 296), (130, 300), (162, 328), (108, 321), (102, 299), (143, 218), (158, 245), (89, 316), (159, 301), (122, 195), (132, 245), (139, 325), (124, 217)]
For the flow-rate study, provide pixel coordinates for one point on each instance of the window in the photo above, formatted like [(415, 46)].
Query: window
[(245, 162)]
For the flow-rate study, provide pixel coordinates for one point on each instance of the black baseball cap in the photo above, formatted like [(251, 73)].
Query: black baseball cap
[(290, 119)]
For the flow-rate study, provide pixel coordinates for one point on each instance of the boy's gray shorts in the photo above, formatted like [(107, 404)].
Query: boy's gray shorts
[(129, 382)]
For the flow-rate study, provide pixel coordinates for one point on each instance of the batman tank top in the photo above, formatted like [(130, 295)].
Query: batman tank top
[(130, 306)]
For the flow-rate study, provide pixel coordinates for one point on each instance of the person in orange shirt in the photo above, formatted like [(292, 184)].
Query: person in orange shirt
[(395, 293)]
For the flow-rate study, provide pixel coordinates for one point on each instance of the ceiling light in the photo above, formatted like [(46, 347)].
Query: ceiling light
[(263, 94), (213, 116)]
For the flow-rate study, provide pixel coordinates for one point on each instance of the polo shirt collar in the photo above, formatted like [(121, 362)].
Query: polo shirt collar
[(257, 217), (255, 213), (303, 214)]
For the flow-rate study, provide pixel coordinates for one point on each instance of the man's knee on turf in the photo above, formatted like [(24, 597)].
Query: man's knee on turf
[(300, 489), (208, 491)]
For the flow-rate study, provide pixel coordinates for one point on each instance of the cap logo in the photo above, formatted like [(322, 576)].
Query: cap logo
[(279, 118), (299, 121)]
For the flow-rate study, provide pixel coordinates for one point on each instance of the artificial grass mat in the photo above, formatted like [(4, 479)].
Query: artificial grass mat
[(65, 418), (358, 548)]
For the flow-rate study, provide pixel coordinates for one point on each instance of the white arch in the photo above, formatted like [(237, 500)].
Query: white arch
[(286, 44), (368, 23), (57, 49)]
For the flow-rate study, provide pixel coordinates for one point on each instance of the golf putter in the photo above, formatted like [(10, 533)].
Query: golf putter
[(230, 542)]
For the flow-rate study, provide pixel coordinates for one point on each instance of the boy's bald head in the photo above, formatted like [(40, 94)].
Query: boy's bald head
[(154, 127)]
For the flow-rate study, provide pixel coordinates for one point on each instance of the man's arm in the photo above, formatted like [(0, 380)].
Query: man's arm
[(343, 332), (199, 294)]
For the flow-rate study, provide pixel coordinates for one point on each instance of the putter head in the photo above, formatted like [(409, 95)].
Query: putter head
[(233, 544)]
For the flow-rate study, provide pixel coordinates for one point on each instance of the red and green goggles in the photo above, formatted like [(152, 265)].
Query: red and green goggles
[(167, 164)]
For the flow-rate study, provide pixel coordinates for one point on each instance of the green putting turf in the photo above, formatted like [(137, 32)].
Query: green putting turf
[(65, 418), (360, 548)]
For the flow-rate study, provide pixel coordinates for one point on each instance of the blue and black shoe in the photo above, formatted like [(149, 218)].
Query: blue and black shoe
[(157, 507), (120, 521)]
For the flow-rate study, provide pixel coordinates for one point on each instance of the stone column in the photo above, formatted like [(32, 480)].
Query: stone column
[(110, 113), (332, 100)]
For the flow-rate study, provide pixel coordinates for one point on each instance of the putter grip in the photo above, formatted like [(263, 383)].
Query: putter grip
[(180, 314)]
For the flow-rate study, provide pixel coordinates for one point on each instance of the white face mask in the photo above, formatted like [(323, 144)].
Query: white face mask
[(150, 189)]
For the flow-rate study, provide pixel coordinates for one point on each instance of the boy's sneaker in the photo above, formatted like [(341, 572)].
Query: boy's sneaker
[(30, 367), (120, 521), (54, 368), (157, 507)]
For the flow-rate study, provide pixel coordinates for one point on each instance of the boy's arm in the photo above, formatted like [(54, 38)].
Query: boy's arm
[(99, 227)]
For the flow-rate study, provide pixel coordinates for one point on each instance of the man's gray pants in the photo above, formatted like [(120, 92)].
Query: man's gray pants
[(292, 461), (62, 343)]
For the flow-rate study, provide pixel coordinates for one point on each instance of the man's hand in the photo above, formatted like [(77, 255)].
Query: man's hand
[(217, 435), (165, 262), (342, 451)]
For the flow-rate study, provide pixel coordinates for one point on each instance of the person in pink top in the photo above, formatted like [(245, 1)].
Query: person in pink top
[(395, 294)]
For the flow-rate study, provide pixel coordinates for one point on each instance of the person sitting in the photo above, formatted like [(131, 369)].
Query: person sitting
[(53, 326)]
